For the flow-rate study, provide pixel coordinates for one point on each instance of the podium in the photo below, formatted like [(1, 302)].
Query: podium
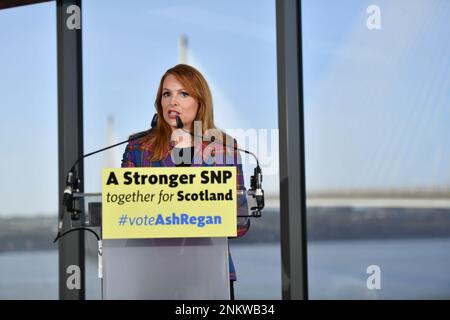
[(174, 269), (171, 268)]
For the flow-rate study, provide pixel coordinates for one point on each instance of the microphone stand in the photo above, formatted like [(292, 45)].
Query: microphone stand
[(255, 190), (73, 185), (73, 181)]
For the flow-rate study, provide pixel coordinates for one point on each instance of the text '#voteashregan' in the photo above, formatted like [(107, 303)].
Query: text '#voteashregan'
[(174, 219)]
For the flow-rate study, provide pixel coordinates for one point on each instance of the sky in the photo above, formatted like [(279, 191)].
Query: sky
[(376, 101)]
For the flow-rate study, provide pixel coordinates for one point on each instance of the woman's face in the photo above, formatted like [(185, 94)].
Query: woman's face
[(175, 101)]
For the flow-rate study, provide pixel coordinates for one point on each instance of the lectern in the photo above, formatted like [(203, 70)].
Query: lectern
[(172, 268)]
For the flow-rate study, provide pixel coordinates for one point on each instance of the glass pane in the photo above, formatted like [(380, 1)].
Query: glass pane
[(376, 79), (127, 47), (28, 127)]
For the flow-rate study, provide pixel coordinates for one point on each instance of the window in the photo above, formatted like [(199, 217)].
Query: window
[(376, 79), (29, 176), (127, 47)]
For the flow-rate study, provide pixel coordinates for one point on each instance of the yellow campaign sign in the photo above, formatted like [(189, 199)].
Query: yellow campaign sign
[(175, 202)]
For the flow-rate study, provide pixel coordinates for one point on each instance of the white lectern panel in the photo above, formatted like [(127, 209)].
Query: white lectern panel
[(184, 268)]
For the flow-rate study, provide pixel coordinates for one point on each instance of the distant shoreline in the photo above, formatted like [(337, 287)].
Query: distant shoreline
[(324, 224)]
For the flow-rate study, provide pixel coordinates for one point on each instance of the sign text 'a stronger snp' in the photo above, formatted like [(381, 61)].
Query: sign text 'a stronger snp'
[(169, 202)]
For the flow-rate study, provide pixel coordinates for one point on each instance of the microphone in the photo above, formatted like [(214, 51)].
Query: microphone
[(255, 181), (73, 182), (154, 120), (180, 123)]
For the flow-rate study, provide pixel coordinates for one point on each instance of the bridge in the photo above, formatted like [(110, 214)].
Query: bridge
[(433, 198)]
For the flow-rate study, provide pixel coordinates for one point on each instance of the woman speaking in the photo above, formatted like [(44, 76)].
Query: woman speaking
[(184, 101)]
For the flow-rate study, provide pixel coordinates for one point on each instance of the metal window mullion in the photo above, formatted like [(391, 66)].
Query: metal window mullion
[(292, 169), (70, 140)]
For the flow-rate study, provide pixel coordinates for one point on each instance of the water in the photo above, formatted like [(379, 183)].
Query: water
[(410, 269), (29, 275)]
